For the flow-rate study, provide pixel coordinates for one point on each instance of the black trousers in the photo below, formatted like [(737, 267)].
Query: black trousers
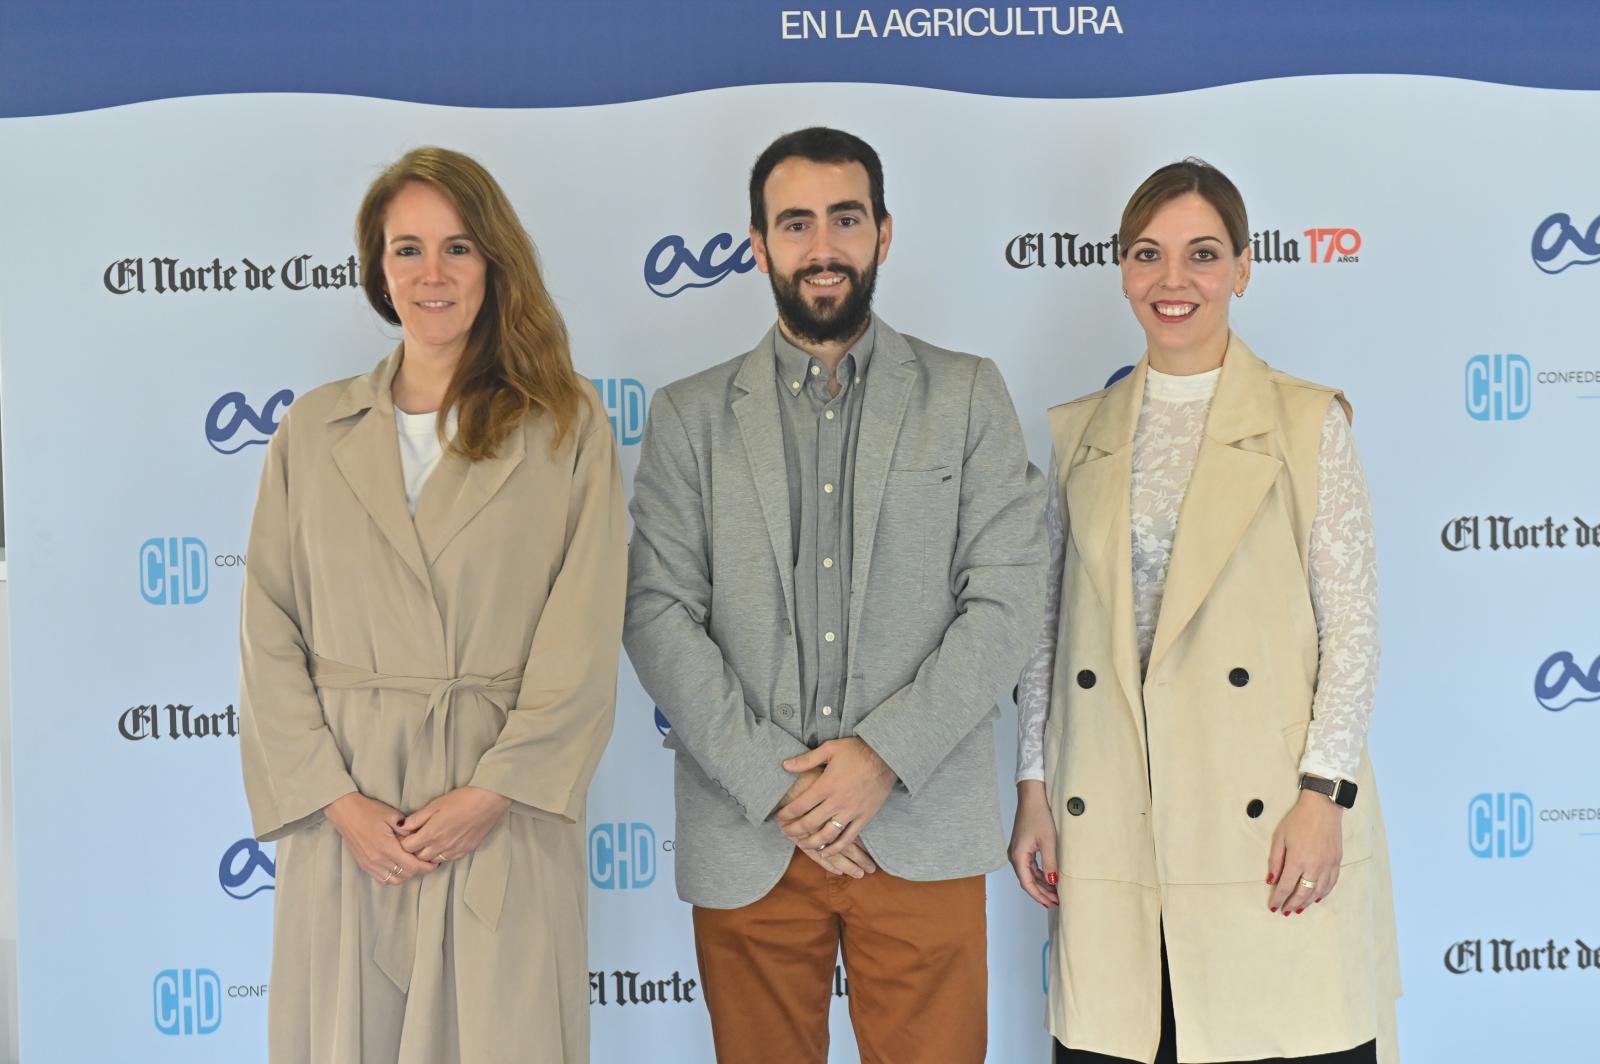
[(1167, 1050)]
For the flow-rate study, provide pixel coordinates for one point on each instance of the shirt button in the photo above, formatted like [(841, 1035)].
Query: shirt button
[(828, 636), (828, 488), (794, 386), (815, 370), (858, 380), (827, 563), (828, 415), (827, 711)]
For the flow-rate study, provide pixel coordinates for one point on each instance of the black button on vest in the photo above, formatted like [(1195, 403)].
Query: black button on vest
[(1085, 679), (1254, 809), (1075, 806), (1238, 677)]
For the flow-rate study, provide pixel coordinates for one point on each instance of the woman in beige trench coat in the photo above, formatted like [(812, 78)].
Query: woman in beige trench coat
[(431, 627), (1195, 804)]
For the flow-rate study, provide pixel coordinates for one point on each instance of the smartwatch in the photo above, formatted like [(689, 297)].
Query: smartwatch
[(1341, 792)]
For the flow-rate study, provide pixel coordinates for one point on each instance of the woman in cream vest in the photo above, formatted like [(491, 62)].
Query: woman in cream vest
[(1195, 804), (431, 628)]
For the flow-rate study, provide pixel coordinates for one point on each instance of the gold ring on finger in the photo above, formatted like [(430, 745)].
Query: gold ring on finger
[(836, 824), (1308, 884)]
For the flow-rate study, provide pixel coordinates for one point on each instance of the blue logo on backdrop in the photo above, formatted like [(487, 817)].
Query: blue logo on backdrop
[(1500, 825), (233, 410), (663, 725), (1499, 387), (246, 870), (670, 255), (622, 856), (623, 398), (1556, 233), (173, 571), (1560, 683), (187, 1001), (1118, 375)]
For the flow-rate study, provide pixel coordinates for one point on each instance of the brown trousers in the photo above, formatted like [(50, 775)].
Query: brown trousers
[(915, 963)]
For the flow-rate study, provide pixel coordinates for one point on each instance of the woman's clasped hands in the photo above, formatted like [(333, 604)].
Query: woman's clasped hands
[(393, 847)]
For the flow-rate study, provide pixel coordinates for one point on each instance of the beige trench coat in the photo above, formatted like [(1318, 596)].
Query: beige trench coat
[(477, 645), (1153, 781)]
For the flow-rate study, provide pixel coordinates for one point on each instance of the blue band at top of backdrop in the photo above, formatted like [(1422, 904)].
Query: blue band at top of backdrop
[(59, 56)]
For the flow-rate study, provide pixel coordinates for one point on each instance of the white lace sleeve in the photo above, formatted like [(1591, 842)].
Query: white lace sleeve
[(1344, 594), (1033, 692)]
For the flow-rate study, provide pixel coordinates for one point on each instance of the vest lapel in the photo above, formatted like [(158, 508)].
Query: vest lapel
[(1098, 520), (1225, 491)]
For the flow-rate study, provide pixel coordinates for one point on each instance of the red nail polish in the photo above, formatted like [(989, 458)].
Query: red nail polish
[(1273, 909), (1300, 910), (1288, 912), (1050, 878), (1319, 901), (1269, 879)]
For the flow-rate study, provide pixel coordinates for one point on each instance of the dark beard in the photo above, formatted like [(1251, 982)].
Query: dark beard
[(836, 318)]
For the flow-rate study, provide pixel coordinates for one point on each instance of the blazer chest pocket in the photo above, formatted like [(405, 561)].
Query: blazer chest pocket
[(916, 532)]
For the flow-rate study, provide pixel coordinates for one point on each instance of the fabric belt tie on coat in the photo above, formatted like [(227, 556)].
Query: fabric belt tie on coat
[(426, 777)]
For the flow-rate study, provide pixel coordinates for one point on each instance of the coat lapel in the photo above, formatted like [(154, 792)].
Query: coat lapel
[(1099, 521), (457, 489), (369, 460), (883, 410), (756, 409), (1225, 491)]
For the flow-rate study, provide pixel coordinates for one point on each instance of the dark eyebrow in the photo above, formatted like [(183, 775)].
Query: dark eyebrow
[(847, 206), (407, 236), (791, 214), (1196, 240)]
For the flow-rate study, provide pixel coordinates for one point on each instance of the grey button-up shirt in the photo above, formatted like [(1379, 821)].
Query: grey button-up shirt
[(819, 449)]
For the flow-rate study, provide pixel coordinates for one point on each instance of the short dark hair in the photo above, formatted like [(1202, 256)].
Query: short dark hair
[(819, 144), (1180, 179)]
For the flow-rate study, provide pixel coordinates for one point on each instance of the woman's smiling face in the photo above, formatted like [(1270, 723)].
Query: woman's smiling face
[(1179, 273)]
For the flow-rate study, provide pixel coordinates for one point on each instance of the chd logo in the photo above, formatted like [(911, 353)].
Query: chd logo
[(671, 255), (622, 856), (233, 410), (187, 1001), (1499, 387), (1500, 825), (245, 870), (623, 398), (1557, 233), (1554, 682), (173, 571)]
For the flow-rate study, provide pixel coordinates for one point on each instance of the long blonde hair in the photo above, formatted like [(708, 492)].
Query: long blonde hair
[(517, 356)]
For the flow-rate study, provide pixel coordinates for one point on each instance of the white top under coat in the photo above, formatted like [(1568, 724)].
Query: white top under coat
[(420, 449)]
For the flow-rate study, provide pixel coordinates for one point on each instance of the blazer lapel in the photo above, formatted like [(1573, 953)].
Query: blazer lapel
[(1225, 491), (457, 489), (369, 460), (1099, 521), (888, 393), (756, 409)]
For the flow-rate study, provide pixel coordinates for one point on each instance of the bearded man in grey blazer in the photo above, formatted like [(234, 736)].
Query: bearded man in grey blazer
[(836, 571)]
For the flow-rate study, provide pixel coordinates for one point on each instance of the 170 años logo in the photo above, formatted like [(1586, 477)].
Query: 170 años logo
[(1560, 683), (233, 411), (671, 255), (1556, 234)]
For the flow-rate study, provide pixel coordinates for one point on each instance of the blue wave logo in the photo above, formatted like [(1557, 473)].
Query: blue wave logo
[(671, 256), (1556, 233), (233, 411), (1558, 674), (663, 725), (246, 870)]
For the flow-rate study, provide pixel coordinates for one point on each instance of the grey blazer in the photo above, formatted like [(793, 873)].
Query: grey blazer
[(947, 595)]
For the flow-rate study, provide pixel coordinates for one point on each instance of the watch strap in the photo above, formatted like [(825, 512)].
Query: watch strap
[(1341, 792)]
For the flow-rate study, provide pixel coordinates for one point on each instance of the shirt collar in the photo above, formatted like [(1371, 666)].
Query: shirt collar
[(794, 365)]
